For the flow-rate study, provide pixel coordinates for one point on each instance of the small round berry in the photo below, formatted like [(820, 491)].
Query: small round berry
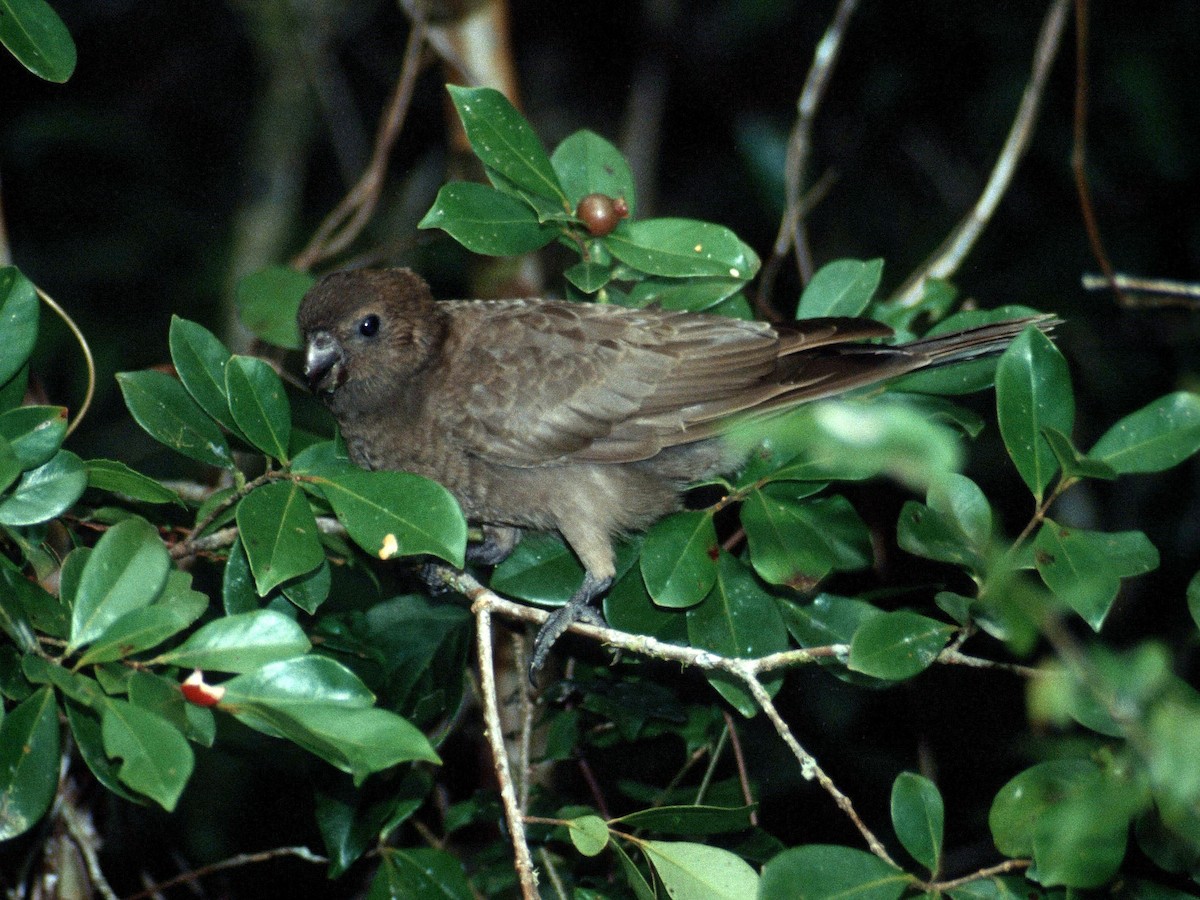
[(601, 213)]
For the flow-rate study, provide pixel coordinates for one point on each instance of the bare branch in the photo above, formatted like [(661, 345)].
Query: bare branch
[(1146, 292), (954, 249), (351, 215), (791, 235), (241, 859), (491, 716)]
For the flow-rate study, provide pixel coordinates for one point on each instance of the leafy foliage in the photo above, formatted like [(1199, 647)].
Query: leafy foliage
[(319, 657)]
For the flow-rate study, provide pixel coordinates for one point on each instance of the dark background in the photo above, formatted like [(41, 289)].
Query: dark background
[(188, 148)]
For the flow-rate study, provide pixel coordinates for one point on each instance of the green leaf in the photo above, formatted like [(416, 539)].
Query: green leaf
[(486, 221), (35, 433), (155, 757), (588, 164), (589, 277), (295, 681), (589, 834), (690, 820), (1193, 598), (897, 645), (10, 465), (692, 294), (126, 570), (637, 881), (700, 872), (310, 590), (628, 607), (240, 643), (682, 248), (954, 526), (840, 288), (18, 306), (45, 492), (268, 301), (504, 140), (37, 37), (1085, 568), (919, 819), (1156, 437), (141, 629), (200, 361), (1070, 816), (830, 872), (798, 543), (29, 760), (425, 873), (352, 821), (394, 513), (679, 559), (259, 405), (279, 533), (1073, 463), (118, 478), (739, 619), (541, 569), (85, 728), (167, 412), (1033, 392)]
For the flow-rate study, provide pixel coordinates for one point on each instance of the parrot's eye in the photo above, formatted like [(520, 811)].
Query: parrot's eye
[(369, 326)]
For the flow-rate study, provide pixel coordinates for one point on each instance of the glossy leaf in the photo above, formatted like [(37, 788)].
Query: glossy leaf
[(126, 570), (1085, 568), (954, 525), (633, 875), (45, 492), (504, 141), (589, 277), (699, 872), (118, 478), (1156, 437), (394, 511), (1033, 392), (10, 465), (155, 757), (310, 590), (679, 559), (1073, 463), (542, 569), (35, 433), (487, 221), (628, 607), (589, 834), (828, 619), (200, 361), (259, 405), (919, 817), (164, 408), (268, 300), (798, 543), (830, 872), (737, 619), (588, 164), (352, 822), (85, 729), (840, 288), (682, 248), (18, 313), (692, 294), (37, 37), (897, 644), (240, 643), (29, 760), (279, 533), (141, 629), (426, 873)]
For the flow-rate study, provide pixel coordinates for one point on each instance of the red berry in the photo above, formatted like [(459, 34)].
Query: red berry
[(601, 213)]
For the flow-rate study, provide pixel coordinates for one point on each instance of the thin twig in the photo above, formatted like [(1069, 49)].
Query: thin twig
[(941, 887), (79, 826), (351, 215), (556, 881), (88, 361), (954, 249), (1165, 292), (522, 861), (241, 859), (1079, 153), (951, 657), (711, 768), (809, 768), (740, 759), (439, 42), (792, 235), (585, 769), (525, 711)]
